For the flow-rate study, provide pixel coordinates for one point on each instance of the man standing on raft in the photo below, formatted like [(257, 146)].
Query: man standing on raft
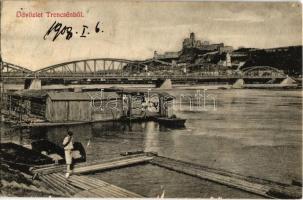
[(68, 147)]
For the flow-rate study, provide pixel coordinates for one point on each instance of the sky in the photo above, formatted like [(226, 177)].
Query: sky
[(135, 29)]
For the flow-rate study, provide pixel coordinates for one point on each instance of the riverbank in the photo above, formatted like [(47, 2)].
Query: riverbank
[(15, 184)]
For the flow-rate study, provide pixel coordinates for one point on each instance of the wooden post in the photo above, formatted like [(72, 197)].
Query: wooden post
[(129, 105), (161, 108), (122, 105)]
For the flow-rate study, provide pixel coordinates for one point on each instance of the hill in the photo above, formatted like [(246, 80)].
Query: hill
[(288, 59)]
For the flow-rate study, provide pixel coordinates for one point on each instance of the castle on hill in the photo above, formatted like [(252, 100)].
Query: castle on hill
[(191, 42)]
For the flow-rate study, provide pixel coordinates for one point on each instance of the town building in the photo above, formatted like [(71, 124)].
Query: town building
[(167, 55), (226, 49)]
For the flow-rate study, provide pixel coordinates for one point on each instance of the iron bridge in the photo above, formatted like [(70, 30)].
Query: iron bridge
[(122, 69)]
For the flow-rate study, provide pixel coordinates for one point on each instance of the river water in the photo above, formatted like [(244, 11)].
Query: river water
[(252, 132)]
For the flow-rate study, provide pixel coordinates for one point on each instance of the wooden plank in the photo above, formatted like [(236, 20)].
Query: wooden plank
[(87, 184), (108, 188), (99, 183), (118, 192), (99, 194), (89, 181), (86, 193), (111, 165), (229, 181), (257, 186), (136, 159), (124, 192), (80, 184), (59, 185), (44, 186), (116, 188), (127, 192), (79, 194), (236, 183), (104, 192), (53, 187), (59, 168), (66, 183), (101, 188), (50, 185)]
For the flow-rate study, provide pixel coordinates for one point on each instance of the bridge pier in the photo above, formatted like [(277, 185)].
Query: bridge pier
[(167, 84), (288, 81), (34, 85), (238, 84)]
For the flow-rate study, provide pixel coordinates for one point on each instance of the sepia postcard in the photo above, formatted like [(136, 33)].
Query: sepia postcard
[(151, 99)]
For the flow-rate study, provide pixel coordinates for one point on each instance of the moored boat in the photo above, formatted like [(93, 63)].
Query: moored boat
[(172, 122)]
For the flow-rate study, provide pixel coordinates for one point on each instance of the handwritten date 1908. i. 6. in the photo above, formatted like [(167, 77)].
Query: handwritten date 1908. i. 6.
[(67, 31)]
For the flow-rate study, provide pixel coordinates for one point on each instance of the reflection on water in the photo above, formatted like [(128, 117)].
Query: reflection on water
[(252, 132)]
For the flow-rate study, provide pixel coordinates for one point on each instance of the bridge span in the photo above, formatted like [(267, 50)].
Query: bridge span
[(111, 70)]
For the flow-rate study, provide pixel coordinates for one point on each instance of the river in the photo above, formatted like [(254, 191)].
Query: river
[(252, 132)]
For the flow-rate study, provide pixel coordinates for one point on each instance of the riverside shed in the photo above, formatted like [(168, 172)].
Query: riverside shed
[(69, 106)]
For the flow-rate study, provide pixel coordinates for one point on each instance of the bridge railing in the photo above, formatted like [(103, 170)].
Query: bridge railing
[(129, 76), (16, 74), (145, 76)]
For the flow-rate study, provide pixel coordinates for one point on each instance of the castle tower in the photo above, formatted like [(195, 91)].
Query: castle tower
[(192, 39), (155, 54), (192, 36)]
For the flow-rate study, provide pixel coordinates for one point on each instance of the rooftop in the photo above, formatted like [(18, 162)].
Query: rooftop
[(68, 96), (82, 96)]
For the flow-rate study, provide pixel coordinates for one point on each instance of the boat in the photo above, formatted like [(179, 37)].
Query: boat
[(21, 158), (56, 152), (171, 122)]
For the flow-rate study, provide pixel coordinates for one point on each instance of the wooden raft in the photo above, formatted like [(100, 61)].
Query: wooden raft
[(95, 166), (89, 187), (83, 186), (257, 186)]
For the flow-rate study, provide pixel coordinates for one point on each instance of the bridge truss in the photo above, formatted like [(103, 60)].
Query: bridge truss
[(9, 69), (102, 67), (110, 68), (262, 71)]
